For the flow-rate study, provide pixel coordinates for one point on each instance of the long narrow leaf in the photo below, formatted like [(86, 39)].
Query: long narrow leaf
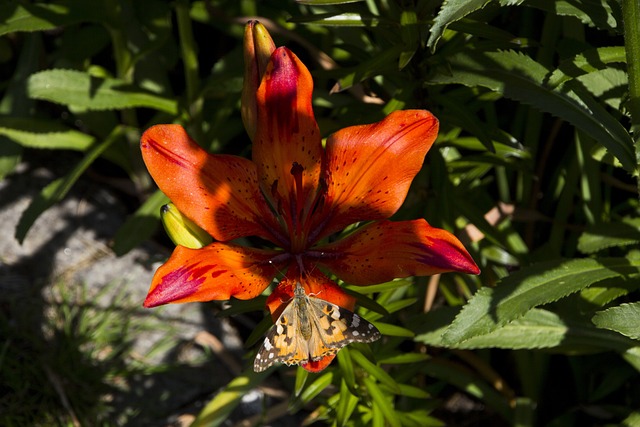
[(380, 400), (220, 407)]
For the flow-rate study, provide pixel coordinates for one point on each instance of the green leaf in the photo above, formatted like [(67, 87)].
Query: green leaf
[(35, 17), (519, 77), (388, 286), (609, 235), (413, 391), (595, 13), (393, 330), (451, 11), (624, 319), (346, 369), (55, 191), (385, 60), (220, 407), (375, 371), (404, 358), (589, 61), (537, 329), (530, 287), (346, 404), (10, 155), (82, 90), (471, 383), (301, 379), (141, 225), (339, 20), (34, 133), (380, 400), (314, 389), (326, 2), (410, 36)]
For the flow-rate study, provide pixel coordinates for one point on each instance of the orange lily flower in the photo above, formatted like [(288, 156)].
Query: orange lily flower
[(294, 194)]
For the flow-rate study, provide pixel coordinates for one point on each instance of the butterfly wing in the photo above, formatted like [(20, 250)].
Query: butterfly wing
[(335, 327), (283, 343)]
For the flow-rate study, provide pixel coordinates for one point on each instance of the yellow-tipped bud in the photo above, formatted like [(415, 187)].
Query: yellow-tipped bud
[(181, 230), (258, 47)]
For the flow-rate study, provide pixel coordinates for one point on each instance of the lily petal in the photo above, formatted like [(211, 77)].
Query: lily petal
[(315, 366), (287, 148), (218, 192), (218, 271), (316, 285), (369, 168), (385, 250)]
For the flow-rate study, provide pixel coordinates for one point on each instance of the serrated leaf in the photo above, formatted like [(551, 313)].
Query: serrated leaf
[(490, 308), (537, 329), (597, 13), (519, 77), (604, 236), (589, 61), (34, 133), (58, 189), (609, 86), (624, 319), (35, 17), (451, 11), (82, 90)]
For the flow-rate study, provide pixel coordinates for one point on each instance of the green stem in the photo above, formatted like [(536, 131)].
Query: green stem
[(188, 49), (631, 17), (124, 70)]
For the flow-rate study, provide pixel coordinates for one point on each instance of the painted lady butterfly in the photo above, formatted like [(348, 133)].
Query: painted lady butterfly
[(310, 328)]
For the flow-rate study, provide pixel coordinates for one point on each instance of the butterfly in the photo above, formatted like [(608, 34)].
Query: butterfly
[(310, 328)]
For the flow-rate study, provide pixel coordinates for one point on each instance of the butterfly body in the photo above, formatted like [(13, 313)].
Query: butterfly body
[(309, 329)]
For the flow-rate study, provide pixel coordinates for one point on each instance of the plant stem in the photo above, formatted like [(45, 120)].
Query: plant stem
[(189, 51), (631, 17)]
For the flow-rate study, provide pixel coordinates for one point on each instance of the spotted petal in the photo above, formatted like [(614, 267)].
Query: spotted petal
[(216, 272), (369, 168), (218, 192), (385, 250)]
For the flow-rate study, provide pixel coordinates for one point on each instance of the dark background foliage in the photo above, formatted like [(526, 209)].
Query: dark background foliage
[(534, 169)]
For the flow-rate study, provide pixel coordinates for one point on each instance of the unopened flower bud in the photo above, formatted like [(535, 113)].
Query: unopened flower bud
[(181, 230), (258, 47)]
